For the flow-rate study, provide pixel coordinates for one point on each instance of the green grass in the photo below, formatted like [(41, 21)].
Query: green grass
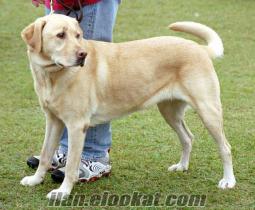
[(143, 145)]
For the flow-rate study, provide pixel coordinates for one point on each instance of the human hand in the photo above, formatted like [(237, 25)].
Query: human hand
[(37, 2)]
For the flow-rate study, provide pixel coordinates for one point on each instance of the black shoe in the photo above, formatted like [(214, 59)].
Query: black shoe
[(33, 162), (57, 176)]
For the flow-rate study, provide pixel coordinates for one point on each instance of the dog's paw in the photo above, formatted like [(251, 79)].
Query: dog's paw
[(227, 183), (58, 194), (178, 167), (31, 180)]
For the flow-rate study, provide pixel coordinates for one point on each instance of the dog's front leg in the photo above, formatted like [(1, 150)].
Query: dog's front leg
[(54, 129), (76, 135)]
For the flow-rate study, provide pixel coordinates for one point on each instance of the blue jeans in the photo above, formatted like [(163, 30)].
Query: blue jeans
[(97, 24)]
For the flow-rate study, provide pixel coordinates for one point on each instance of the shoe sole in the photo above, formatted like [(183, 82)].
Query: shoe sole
[(95, 178), (59, 179)]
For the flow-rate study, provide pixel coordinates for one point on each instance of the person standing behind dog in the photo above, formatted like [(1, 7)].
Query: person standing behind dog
[(97, 19)]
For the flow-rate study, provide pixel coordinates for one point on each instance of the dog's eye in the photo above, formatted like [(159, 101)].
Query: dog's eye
[(78, 36), (61, 35)]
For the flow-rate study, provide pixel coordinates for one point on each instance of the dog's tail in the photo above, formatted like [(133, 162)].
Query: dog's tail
[(215, 46)]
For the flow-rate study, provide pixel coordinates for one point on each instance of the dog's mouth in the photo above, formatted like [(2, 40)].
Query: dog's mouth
[(59, 64), (80, 62)]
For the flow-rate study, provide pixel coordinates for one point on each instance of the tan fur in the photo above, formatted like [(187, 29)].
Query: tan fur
[(118, 79)]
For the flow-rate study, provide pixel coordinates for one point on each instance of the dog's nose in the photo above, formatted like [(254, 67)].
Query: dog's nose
[(81, 55)]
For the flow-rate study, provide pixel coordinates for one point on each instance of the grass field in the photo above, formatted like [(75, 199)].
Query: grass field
[(143, 145)]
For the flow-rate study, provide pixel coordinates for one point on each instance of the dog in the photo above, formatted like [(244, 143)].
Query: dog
[(82, 83)]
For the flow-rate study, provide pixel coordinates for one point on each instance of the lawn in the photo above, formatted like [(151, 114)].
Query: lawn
[(143, 145)]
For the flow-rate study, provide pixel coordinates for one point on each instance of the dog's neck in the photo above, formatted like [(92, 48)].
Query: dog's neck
[(50, 80), (44, 70), (46, 74)]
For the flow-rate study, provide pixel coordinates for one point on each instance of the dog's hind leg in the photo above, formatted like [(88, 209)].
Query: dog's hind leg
[(203, 94), (173, 113), (210, 112)]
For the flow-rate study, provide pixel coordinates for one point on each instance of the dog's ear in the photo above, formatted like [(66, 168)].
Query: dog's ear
[(32, 34)]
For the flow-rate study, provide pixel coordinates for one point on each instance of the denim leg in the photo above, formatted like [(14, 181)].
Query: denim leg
[(100, 20), (97, 24)]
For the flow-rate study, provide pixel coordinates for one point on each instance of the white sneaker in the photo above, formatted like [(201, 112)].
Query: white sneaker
[(89, 171)]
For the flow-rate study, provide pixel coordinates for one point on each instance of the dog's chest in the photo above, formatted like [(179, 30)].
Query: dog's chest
[(47, 95), (46, 99)]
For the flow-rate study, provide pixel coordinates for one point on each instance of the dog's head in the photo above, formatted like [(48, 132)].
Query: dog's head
[(57, 38)]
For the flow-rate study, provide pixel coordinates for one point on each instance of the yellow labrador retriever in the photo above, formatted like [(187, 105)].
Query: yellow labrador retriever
[(82, 83)]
